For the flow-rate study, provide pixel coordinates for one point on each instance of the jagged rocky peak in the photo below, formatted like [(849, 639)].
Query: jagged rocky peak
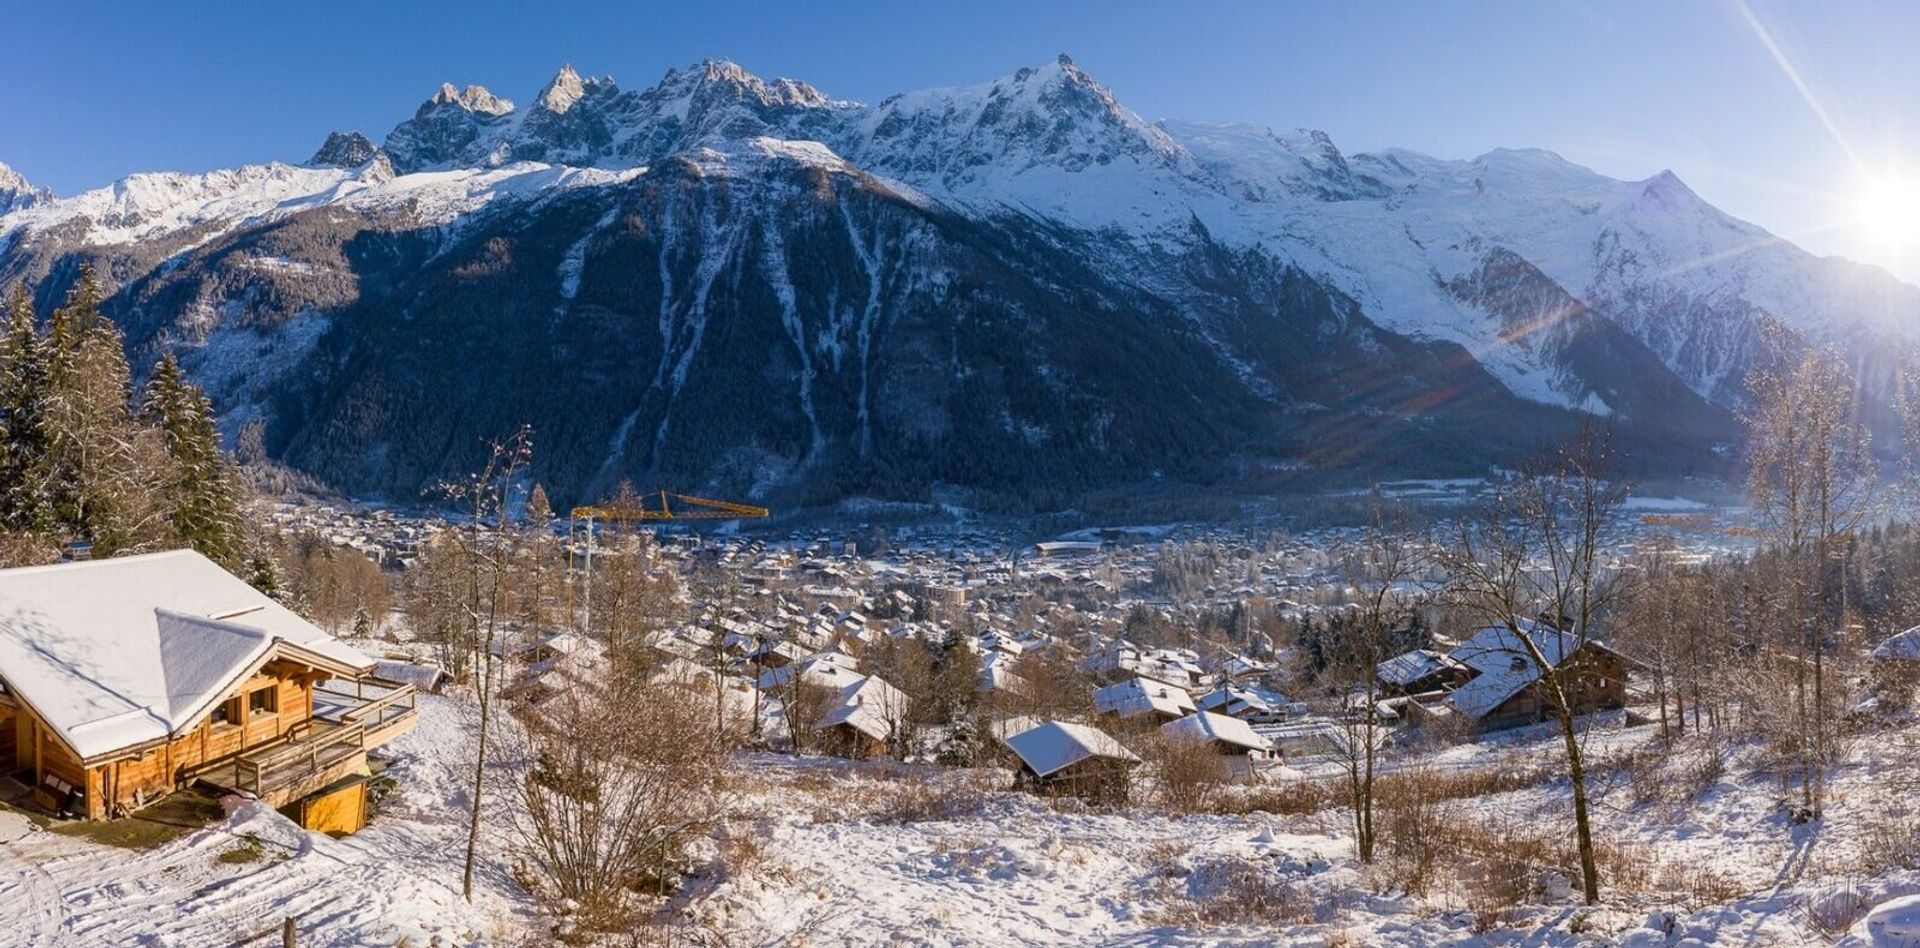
[(568, 88), (456, 127), (717, 78), (345, 150), (471, 99)]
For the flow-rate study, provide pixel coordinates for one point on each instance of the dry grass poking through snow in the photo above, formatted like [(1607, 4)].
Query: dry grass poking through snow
[(1229, 890), (879, 791)]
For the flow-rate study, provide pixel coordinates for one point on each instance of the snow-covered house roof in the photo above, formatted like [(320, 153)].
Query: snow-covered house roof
[(1503, 665), (1235, 701), (1056, 745), (1140, 695), (873, 693), (827, 669), (1406, 668), (863, 718), (1208, 726), (424, 676), (996, 676), (116, 653)]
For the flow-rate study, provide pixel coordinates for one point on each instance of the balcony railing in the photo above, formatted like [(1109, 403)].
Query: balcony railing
[(306, 751)]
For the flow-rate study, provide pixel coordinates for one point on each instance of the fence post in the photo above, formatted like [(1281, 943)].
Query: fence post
[(288, 937)]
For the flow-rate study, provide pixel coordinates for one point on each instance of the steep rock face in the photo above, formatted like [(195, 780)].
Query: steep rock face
[(1020, 287), (345, 150)]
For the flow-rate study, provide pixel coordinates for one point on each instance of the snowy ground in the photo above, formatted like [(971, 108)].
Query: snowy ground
[(825, 852), (833, 863)]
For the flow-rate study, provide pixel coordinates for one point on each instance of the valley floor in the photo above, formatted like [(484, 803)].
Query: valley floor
[(830, 852)]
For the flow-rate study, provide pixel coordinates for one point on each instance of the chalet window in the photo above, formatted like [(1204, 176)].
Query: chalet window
[(263, 701), (227, 712)]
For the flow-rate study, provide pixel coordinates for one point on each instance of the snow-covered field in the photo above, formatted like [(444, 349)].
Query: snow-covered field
[(827, 852)]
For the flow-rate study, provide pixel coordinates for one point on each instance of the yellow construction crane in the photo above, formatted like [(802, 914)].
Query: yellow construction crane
[(690, 508), (693, 508)]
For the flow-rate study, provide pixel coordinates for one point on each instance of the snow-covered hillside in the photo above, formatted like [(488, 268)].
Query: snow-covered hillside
[(826, 851)]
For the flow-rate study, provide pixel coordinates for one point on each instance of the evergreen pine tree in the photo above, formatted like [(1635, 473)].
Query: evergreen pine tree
[(25, 501), (203, 495), (263, 573), (92, 446)]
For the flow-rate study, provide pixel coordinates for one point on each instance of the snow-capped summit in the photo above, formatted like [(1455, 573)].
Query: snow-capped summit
[(1054, 116), (16, 192), (1254, 163)]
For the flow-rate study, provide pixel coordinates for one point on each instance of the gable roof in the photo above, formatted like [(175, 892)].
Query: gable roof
[(114, 653), (1141, 695), (1900, 647), (1057, 745)]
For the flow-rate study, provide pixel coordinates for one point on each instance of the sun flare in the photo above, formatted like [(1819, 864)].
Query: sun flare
[(1887, 210)]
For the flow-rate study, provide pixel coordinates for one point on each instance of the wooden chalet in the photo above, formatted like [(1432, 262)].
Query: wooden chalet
[(1059, 758), (1507, 689), (124, 679)]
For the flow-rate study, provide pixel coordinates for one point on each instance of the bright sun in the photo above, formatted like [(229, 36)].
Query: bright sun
[(1888, 212)]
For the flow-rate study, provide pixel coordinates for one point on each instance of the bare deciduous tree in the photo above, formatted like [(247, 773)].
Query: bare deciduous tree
[(1383, 570), (1537, 548)]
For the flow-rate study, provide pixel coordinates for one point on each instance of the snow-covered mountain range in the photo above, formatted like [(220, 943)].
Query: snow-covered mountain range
[(1021, 287)]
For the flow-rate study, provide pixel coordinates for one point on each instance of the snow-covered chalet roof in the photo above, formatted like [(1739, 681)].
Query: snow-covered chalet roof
[(1902, 647), (1208, 726), (1503, 664), (1057, 745), (1408, 667), (116, 653), (1139, 696)]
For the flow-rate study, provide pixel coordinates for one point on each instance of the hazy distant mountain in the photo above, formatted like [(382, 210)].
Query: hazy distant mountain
[(722, 283)]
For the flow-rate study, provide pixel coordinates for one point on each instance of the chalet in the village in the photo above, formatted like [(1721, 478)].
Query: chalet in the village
[(1060, 758), (1506, 689), (124, 679), (863, 719)]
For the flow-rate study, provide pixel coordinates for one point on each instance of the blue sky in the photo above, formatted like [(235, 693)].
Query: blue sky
[(92, 91)]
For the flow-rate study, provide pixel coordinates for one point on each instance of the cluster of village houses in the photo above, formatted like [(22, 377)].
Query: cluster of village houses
[(124, 679), (1229, 703)]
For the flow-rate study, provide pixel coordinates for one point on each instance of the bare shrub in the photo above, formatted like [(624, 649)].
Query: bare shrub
[(1286, 798), (614, 785), (1187, 775), (1833, 913), (915, 798), (1411, 805), (1234, 890)]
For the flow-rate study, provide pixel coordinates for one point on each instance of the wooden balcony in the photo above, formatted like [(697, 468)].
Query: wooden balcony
[(309, 756), (349, 718), (385, 709)]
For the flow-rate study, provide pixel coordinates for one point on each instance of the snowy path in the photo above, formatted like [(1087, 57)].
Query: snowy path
[(30, 895)]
